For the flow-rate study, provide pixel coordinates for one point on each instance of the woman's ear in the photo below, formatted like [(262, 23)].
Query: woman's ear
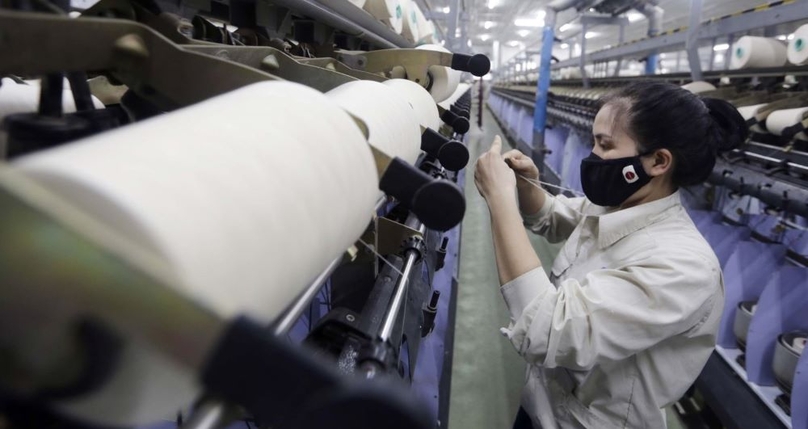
[(659, 162)]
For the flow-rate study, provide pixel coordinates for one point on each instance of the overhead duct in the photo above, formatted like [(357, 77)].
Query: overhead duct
[(654, 13)]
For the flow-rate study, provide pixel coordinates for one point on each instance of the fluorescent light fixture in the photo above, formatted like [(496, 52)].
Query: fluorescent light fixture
[(443, 43), (469, 43), (591, 35), (523, 33), (564, 46), (782, 37), (457, 33), (663, 55), (514, 43), (488, 24), (484, 37), (541, 14), (493, 3), (529, 22), (446, 9), (721, 47), (790, 36), (719, 58), (634, 16)]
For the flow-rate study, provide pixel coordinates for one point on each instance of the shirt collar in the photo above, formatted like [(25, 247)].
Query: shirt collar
[(613, 226)]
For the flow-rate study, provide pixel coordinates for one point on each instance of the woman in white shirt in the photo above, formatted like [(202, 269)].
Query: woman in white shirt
[(628, 317)]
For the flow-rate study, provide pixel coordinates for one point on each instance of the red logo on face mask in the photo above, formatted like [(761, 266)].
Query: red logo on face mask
[(630, 176)]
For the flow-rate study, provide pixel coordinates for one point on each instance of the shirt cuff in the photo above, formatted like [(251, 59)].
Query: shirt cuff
[(519, 292), (535, 218)]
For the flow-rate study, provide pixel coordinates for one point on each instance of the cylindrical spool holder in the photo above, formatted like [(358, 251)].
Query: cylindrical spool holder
[(439, 204), (453, 155), (459, 124), (479, 65), (460, 111)]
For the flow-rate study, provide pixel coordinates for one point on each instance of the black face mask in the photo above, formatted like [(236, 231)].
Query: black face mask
[(609, 182)]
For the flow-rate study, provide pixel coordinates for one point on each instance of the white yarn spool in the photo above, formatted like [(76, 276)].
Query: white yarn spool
[(444, 79), (425, 28), (392, 123), (758, 52), (419, 99), (749, 112), (699, 86), (461, 89), (358, 3), (781, 119), (798, 47), (242, 198), (390, 12), (410, 28)]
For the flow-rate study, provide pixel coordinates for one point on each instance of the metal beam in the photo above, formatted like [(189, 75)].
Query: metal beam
[(593, 20), (735, 24), (692, 44)]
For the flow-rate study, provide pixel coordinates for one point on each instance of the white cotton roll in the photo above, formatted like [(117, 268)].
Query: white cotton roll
[(699, 86), (392, 123), (778, 120), (21, 98), (358, 3), (426, 29), (444, 79), (461, 89), (420, 100), (749, 112), (390, 12), (758, 52), (410, 28), (243, 200), (798, 47)]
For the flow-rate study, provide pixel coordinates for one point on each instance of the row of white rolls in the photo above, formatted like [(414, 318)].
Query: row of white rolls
[(243, 211), (776, 122), (762, 52), (402, 16)]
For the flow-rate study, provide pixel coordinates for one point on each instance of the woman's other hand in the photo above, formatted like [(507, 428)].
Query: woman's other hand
[(493, 177), (522, 165)]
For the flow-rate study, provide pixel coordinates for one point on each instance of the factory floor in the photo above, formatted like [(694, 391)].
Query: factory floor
[(487, 374)]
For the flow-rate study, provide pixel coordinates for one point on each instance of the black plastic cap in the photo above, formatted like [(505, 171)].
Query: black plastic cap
[(454, 156), (461, 125), (440, 205), (479, 65)]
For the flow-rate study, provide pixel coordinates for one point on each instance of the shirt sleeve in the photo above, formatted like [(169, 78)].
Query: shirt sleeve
[(611, 314), (557, 218)]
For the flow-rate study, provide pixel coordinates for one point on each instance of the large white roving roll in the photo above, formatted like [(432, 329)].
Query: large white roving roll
[(798, 47), (420, 100), (391, 121), (779, 120), (240, 196), (758, 52), (390, 12), (444, 79), (410, 27), (699, 86)]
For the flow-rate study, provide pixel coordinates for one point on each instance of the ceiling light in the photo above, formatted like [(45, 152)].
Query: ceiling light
[(488, 24), (484, 37), (523, 33), (721, 47), (514, 43), (719, 58), (790, 36), (782, 37), (446, 9), (564, 46), (493, 3), (634, 16), (591, 34), (566, 27), (469, 43), (457, 33), (529, 22), (443, 43)]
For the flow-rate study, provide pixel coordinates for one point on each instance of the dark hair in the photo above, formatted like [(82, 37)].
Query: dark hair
[(661, 115)]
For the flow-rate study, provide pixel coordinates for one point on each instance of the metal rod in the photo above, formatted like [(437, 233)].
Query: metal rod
[(399, 293), (209, 415)]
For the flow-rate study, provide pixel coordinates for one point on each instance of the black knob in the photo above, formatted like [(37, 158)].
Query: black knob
[(478, 65)]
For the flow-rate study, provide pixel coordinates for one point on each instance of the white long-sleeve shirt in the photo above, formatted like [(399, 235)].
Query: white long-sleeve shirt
[(626, 321)]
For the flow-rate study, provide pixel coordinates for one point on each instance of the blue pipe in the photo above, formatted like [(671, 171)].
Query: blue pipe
[(651, 63), (540, 111)]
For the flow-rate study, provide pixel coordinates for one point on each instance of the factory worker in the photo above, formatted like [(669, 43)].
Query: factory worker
[(628, 316)]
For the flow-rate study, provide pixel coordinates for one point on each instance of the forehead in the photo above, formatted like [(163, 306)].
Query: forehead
[(609, 121)]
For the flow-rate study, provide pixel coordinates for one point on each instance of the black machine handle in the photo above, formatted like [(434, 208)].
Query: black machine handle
[(286, 388), (439, 204), (458, 123), (479, 65), (452, 154)]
